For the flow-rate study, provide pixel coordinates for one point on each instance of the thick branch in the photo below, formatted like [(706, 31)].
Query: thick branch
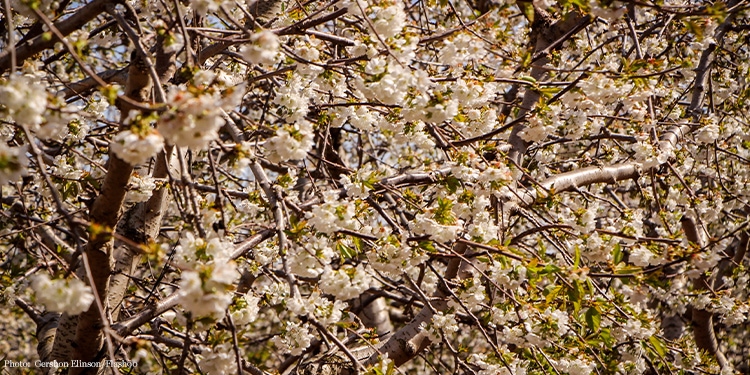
[(703, 326), (548, 36), (42, 42)]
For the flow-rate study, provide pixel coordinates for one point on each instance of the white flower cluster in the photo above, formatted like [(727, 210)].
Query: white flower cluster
[(641, 256), (140, 188), (477, 122), (345, 283), (560, 319), (310, 260), (295, 339), (354, 188), (634, 329), (332, 215), (323, 310), (291, 142), (394, 260), (442, 233), (390, 82), (276, 293), (536, 130), (263, 48), (604, 90), (425, 108), (460, 50), (205, 287), (248, 311), (23, 99), (361, 118), (13, 163), (574, 367), (389, 21), (204, 6), (483, 227), (295, 97), (218, 360), (441, 324), (709, 132), (510, 276), (136, 148), (193, 120), (69, 296), (494, 366), (205, 293), (472, 296), (309, 49), (649, 155)]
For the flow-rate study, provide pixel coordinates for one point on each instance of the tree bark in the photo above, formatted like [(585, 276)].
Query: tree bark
[(66, 26)]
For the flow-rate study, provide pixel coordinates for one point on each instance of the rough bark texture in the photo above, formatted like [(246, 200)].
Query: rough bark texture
[(703, 326), (66, 26), (545, 32), (142, 222), (105, 212), (375, 315), (81, 337)]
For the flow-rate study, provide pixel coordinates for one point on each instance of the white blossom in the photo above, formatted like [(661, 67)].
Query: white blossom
[(140, 188), (23, 100), (193, 119), (345, 283), (262, 49), (248, 312), (291, 143), (68, 296), (640, 256), (219, 359), (136, 148), (13, 163), (389, 21), (295, 340)]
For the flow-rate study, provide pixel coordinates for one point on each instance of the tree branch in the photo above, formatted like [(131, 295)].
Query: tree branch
[(41, 42)]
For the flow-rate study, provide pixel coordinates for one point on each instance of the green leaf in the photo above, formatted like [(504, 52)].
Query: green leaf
[(109, 92), (358, 244), (346, 251), (549, 92), (527, 9), (593, 318), (606, 336), (550, 268), (427, 246), (452, 184), (574, 294), (444, 214), (658, 345), (617, 254), (551, 293), (577, 258), (628, 270)]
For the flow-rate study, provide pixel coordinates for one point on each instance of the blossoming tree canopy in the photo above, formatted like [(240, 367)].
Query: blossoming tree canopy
[(375, 186)]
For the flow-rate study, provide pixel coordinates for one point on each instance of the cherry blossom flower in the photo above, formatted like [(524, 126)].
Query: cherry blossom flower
[(69, 296)]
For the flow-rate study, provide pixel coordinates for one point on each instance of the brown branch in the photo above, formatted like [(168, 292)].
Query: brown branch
[(40, 43), (546, 36), (87, 84), (703, 326), (143, 221)]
